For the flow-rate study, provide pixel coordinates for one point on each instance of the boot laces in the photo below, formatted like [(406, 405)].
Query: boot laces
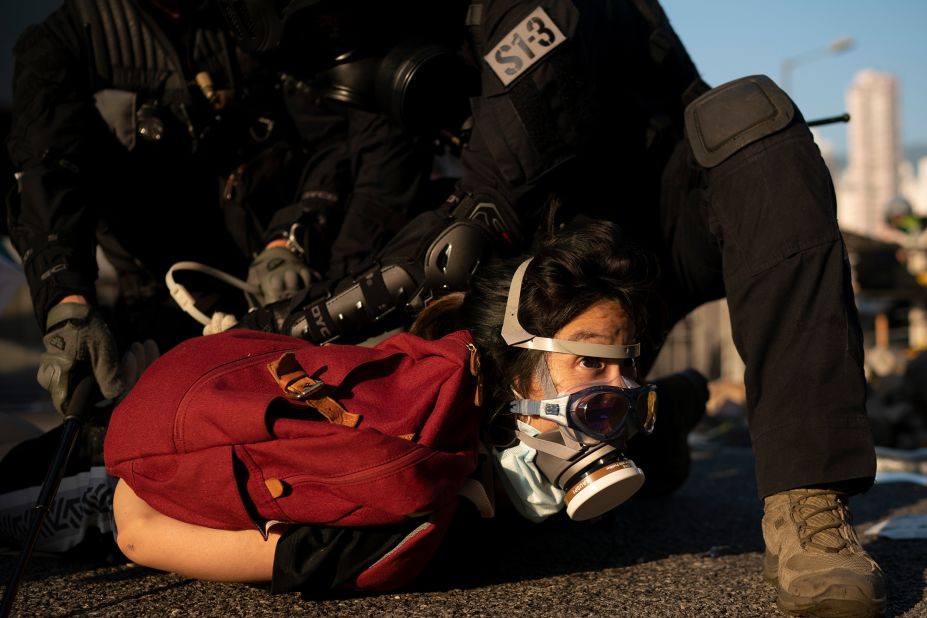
[(821, 515)]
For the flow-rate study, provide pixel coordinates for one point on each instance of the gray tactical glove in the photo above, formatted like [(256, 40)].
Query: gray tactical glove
[(136, 360), (77, 342), (279, 273)]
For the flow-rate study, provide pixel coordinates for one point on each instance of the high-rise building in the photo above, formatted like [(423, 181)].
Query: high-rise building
[(871, 180)]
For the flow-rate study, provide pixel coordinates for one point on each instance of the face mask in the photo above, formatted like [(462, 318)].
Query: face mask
[(595, 477), (531, 493), (585, 456)]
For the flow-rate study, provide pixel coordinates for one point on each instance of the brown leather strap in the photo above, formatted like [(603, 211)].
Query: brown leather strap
[(297, 385)]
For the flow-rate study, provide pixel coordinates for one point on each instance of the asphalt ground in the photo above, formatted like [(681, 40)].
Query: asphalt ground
[(697, 552)]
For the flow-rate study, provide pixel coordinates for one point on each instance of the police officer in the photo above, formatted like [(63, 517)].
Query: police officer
[(597, 105), (126, 115)]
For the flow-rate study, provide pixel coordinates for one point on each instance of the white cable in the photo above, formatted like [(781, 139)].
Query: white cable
[(185, 300)]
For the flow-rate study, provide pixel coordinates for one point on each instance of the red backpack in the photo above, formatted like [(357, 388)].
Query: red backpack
[(239, 429)]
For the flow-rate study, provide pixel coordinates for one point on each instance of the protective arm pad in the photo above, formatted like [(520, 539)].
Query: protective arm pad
[(478, 227), (366, 300)]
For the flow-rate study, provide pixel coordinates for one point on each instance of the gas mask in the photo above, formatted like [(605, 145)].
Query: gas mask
[(375, 56), (585, 455)]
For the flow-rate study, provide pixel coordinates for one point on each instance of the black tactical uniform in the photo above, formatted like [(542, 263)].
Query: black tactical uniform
[(125, 119)]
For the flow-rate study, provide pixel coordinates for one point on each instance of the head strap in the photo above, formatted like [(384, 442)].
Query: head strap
[(514, 333)]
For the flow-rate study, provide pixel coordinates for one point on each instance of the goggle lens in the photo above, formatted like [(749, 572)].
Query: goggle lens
[(602, 413)]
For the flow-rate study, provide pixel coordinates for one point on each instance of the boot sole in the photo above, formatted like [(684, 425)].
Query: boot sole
[(823, 607), (853, 602)]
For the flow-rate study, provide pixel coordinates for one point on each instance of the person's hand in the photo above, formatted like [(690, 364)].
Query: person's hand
[(279, 273), (137, 358), (77, 342)]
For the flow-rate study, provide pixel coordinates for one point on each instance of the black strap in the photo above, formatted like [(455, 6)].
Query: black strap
[(319, 323), (377, 299)]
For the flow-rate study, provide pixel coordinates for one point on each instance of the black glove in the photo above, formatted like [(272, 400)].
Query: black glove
[(279, 273), (77, 342)]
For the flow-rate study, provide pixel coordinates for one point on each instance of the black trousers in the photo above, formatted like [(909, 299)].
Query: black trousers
[(761, 229)]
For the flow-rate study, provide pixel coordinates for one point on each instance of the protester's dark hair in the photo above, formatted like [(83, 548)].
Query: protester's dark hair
[(571, 271)]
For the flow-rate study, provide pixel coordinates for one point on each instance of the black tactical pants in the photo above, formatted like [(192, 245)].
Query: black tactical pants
[(761, 229)]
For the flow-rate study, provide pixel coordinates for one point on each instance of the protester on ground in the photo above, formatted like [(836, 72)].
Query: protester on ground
[(585, 290)]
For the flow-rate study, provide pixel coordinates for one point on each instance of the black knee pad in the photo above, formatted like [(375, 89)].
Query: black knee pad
[(734, 115)]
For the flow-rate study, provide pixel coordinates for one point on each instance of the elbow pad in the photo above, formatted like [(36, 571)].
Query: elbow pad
[(478, 227)]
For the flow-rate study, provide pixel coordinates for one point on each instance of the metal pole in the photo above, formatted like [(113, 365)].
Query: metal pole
[(828, 120), (788, 65), (80, 401)]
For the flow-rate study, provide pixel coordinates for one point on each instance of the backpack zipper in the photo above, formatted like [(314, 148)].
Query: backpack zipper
[(406, 460)]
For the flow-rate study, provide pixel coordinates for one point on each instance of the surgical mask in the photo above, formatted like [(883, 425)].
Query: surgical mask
[(531, 493)]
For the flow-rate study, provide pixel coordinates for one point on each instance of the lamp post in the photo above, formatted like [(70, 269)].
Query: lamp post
[(788, 65)]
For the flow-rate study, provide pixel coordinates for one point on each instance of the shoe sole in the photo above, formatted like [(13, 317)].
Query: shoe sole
[(837, 601), (859, 607)]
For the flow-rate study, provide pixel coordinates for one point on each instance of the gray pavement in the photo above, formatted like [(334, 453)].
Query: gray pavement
[(697, 552)]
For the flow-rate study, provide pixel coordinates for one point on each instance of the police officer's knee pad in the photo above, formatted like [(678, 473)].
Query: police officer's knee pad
[(734, 115)]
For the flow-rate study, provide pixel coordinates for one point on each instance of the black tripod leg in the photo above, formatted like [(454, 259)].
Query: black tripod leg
[(80, 400)]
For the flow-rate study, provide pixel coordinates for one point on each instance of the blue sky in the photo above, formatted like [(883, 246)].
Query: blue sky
[(732, 38)]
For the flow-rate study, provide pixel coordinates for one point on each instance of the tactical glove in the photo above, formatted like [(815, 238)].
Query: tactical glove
[(77, 342), (279, 273), (139, 357)]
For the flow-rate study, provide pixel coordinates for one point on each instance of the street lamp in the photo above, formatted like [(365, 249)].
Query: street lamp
[(835, 47)]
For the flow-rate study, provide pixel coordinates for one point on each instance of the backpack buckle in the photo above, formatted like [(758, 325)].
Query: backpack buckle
[(303, 393)]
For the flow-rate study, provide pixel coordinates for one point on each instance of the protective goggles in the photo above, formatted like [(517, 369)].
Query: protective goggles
[(603, 412)]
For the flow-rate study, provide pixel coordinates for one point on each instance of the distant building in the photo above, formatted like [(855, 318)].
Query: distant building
[(914, 184), (703, 341), (827, 153), (871, 179)]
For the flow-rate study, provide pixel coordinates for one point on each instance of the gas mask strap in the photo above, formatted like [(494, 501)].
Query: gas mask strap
[(560, 451), (515, 334)]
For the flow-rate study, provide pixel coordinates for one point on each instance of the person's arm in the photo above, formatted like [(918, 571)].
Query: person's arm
[(152, 539), (390, 168), (52, 137)]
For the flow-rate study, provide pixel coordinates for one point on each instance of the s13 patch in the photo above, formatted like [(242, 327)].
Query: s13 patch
[(524, 45)]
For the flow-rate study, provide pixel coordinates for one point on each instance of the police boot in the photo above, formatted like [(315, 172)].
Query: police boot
[(814, 558)]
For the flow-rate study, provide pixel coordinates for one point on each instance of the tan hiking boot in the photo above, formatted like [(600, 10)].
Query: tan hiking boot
[(814, 557)]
